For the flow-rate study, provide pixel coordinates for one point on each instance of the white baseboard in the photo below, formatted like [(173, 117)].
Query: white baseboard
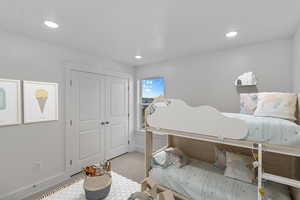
[(35, 188)]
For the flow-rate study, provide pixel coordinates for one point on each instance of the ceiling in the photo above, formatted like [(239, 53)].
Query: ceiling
[(154, 29)]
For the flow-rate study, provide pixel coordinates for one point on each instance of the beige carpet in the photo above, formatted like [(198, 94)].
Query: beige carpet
[(129, 165)]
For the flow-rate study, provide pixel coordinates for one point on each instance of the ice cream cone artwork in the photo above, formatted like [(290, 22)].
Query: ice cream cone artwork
[(41, 96)]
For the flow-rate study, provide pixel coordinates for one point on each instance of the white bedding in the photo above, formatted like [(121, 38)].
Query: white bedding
[(202, 181), (270, 130)]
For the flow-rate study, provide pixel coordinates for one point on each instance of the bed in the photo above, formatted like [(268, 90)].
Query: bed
[(269, 130), (201, 181), (198, 130)]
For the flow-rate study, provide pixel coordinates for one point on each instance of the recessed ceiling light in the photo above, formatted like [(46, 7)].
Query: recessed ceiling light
[(51, 24), (231, 34), (138, 57)]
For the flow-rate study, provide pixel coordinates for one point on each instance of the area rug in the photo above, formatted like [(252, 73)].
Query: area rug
[(121, 189)]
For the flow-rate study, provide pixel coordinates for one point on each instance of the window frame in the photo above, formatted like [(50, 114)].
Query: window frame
[(139, 100)]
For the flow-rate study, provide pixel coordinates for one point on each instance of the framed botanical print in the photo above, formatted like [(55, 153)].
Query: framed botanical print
[(10, 102), (40, 101)]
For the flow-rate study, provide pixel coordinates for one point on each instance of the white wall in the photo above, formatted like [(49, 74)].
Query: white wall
[(22, 146), (208, 78), (296, 61)]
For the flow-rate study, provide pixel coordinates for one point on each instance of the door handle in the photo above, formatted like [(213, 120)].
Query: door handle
[(102, 123), (106, 122)]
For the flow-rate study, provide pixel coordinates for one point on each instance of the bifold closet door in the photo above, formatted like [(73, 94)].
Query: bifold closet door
[(89, 102), (116, 130)]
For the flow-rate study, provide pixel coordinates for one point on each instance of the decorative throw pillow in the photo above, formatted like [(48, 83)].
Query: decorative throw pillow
[(239, 167), (161, 159), (220, 158), (171, 156), (280, 105), (248, 103), (177, 157)]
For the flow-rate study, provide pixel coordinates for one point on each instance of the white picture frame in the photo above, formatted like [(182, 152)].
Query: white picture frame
[(40, 101), (10, 102)]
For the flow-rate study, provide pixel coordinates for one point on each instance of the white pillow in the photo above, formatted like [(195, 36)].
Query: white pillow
[(171, 156), (239, 167), (280, 105), (161, 159)]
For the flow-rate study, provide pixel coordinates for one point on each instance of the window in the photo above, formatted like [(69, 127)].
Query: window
[(149, 89)]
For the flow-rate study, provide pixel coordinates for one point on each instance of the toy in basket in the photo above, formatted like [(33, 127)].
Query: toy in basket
[(97, 181)]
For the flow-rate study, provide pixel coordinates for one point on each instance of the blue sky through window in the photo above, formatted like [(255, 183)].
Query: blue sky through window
[(152, 88)]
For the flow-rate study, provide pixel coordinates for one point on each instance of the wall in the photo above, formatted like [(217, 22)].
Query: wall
[(209, 77), (23, 146), (296, 61)]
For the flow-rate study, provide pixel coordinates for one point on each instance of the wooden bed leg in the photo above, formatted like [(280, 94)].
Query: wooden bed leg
[(148, 151), (169, 140), (260, 189)]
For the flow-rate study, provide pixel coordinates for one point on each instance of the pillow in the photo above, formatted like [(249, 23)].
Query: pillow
[(220, 158), (239, 167), (161, 159), (280, 105), (177, 157), (248, 103), (171, 156)]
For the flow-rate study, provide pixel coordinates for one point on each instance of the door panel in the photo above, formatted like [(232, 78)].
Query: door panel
[(89, 109), (88, 144), (117, 96), (120, 137), (88, 97), (117, 115)]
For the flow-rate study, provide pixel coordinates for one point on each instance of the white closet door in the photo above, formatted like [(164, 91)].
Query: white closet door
[(116, 133), (89, 97)]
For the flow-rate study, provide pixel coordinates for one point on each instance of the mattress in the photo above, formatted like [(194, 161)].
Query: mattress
[(270, 130), (202, 181)]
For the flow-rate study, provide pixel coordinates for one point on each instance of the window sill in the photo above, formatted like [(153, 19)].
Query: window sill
[(140, 132)]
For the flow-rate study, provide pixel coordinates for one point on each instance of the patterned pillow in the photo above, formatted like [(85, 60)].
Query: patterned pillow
[(248, 103), (239, 167), (280, 105), (169, 157), (177, 157)]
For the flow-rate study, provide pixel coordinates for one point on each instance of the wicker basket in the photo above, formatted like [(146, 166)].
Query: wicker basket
[(97, 187)]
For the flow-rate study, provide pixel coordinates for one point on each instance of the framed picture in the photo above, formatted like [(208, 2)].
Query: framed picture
[(10, 102), (40, 101)]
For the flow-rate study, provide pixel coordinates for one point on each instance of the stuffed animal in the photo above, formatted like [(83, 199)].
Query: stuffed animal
[(90, 170), (98, 170)]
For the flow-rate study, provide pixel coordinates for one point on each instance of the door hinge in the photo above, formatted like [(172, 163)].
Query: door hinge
[(71, 83), (71, 162), (71, 122), (128, 115), (128, 142)]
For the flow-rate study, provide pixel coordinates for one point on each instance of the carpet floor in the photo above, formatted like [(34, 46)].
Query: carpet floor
[(129, 165)]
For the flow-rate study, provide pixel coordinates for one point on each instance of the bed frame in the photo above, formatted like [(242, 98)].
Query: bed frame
[(182, 125)]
